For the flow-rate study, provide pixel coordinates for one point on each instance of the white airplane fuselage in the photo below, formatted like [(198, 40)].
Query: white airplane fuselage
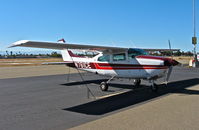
[(140, 67)]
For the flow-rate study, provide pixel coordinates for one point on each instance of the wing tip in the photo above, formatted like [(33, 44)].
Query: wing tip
[(18, 43)]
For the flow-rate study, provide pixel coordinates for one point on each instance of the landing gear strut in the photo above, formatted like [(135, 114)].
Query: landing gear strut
[(154, 87), (104, 85)]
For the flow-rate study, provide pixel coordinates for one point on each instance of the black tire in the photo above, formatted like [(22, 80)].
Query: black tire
[(104, 86), (154, 88), (137, 82)]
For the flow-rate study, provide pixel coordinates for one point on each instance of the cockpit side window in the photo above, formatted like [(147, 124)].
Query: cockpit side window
[(104, 58), (119, 57), (132, 53)]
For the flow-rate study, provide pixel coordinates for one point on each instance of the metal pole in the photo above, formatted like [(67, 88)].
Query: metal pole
[(194, 19), (194, 31)]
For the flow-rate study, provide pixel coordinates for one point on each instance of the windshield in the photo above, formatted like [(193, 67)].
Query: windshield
[(132, 52), (104, 58)]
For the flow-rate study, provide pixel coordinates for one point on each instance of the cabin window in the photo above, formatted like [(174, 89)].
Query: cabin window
[(135, 52), (104, 58), (119, 57)]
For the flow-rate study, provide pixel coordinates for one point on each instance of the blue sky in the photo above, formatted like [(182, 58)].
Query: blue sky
[(125, 23)]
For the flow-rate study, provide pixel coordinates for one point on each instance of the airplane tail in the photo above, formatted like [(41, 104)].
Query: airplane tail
[(66, 56)]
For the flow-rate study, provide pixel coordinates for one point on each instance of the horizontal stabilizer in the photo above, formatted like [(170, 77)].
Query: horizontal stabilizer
[(56, 63)]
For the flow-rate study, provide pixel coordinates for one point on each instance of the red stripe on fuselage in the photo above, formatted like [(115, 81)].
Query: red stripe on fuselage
[(107, 66), (126, 65)]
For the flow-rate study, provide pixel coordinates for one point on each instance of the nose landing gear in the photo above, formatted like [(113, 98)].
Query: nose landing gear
[(154, 86)]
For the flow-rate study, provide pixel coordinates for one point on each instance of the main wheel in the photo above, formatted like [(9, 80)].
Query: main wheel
[(154, 87), (104, 86), (137, 82)]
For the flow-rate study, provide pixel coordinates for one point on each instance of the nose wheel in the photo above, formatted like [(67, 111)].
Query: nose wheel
[(154, 87)]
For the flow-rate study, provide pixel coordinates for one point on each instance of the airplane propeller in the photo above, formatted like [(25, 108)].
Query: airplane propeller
[(171, 67), (168, 74), (170, 63)]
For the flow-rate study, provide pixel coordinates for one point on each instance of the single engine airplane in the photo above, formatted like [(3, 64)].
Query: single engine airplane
[(116, 62)]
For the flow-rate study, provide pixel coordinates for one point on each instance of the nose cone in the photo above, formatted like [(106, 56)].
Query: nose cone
[(170, 62)]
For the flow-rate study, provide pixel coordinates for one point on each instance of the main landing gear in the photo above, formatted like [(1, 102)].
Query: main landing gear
[(154, 87), (136, 82), (104, 85)]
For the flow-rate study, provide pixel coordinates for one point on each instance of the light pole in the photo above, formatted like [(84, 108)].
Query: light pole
[(194, 38)]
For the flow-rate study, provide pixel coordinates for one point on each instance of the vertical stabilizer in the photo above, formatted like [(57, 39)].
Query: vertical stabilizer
[(65, 55)]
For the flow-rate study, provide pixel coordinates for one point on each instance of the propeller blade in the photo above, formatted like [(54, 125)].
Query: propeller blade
[(171, 67), (170, 49), (169, 74)]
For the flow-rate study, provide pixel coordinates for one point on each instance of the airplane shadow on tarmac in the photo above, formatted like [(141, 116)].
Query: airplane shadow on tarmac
[(135, 97)]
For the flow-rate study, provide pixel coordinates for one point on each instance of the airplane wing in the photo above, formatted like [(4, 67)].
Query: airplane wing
[(162, 50), (61, 46)]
